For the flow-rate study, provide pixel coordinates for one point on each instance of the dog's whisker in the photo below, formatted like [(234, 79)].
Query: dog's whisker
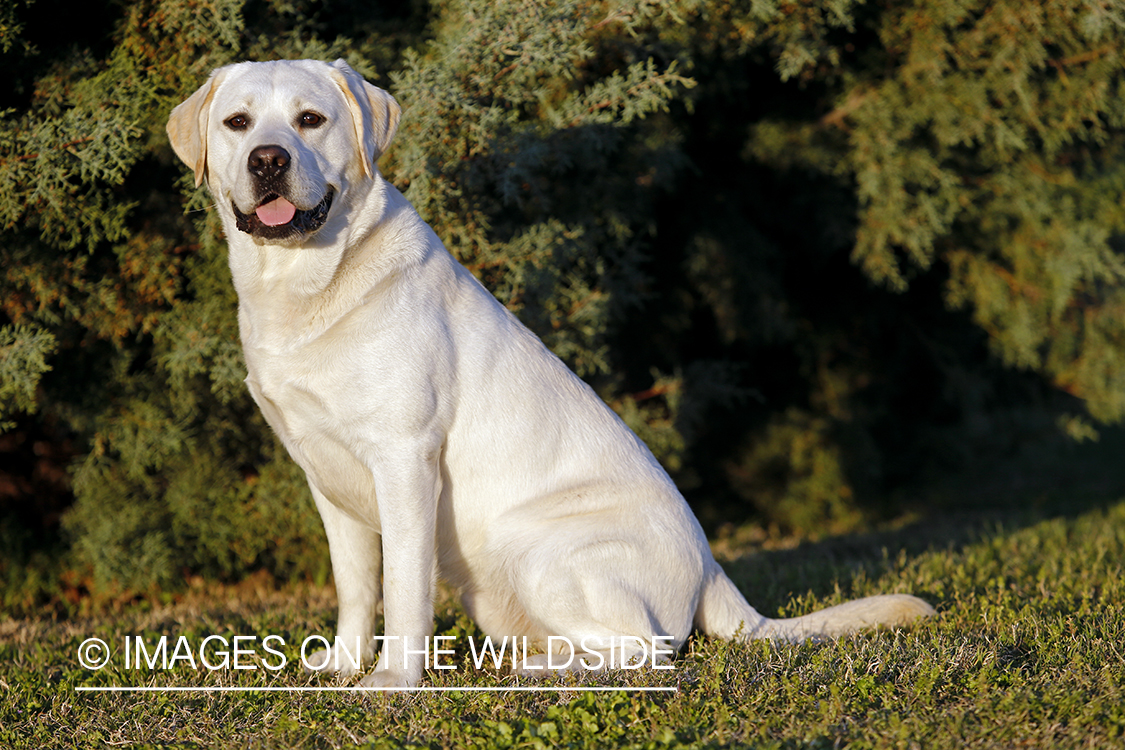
[(208, 207)]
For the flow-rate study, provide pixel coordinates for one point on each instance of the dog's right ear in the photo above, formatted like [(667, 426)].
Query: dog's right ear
[(187, 126)]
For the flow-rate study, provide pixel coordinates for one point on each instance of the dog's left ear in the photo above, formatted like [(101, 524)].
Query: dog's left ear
[(375, 113), (187, 126)]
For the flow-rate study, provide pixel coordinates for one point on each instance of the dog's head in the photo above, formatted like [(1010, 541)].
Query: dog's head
[(279, 142)]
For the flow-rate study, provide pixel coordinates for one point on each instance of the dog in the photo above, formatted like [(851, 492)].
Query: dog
[(439, 436)]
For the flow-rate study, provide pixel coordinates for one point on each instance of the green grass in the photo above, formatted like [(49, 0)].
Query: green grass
[(1028, 650)]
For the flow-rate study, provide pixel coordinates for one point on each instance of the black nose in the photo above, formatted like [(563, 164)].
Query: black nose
[(268, 161)]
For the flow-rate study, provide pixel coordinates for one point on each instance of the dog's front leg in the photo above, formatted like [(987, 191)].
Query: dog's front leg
[(355, 549), (408, 487)]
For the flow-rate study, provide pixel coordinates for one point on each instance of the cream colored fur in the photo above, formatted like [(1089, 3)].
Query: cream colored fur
[(439, 436)]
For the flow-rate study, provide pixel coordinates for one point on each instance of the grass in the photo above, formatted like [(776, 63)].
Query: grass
[(1028, 650)]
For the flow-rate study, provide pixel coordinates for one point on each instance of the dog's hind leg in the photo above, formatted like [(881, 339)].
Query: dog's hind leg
[(582, 633), (599, 605)]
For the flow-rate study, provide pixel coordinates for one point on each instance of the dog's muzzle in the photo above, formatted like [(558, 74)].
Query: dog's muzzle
[(276, 218)]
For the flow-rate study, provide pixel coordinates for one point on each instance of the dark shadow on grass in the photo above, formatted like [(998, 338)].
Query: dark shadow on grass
[(1044, 482)]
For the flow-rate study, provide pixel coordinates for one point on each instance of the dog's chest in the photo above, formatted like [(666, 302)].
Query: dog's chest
[(302, 406)]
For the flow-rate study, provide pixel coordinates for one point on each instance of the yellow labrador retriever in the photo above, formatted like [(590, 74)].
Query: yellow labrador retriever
[(438, 434)]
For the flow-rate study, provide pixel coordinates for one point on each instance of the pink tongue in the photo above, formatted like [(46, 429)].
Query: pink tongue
[(276, 212)]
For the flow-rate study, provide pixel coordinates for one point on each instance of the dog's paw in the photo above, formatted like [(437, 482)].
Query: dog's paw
[(389, 678), (533, 666), (332, 660)]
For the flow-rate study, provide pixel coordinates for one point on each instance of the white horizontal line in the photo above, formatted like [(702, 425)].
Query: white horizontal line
[(357, 689)]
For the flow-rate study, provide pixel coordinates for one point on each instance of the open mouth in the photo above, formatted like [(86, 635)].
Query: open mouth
[(276, 218)]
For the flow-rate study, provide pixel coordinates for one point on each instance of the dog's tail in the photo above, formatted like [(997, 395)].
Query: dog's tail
[(724, 612)]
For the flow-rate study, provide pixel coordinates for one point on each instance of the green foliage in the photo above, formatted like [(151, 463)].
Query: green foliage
[(810, 251), (795, 473), (10, 26), (23, 360), (101, 261), (987, 140), (493, 148), (181, 475)]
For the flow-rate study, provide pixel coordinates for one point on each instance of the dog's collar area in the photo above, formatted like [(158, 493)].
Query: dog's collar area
[(303, 221)]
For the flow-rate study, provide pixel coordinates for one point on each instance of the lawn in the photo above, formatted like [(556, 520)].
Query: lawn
[(1026, 651)]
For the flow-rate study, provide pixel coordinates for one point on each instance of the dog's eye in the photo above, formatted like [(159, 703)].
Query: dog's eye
[(237, 122), (311, 120)]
